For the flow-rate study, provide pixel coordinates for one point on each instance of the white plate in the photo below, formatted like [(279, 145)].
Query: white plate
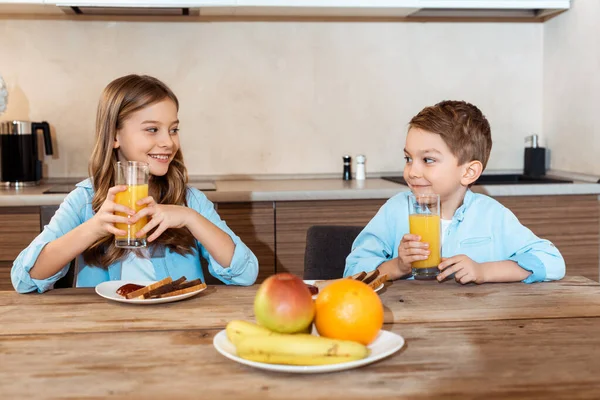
[(386, 344), (312, 282), (108, 290)]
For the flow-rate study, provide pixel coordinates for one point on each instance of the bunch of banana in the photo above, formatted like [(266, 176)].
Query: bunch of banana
[(236, 330), (256, 343)]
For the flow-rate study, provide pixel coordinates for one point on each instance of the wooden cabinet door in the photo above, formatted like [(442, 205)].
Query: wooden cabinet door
[(293, 218), (254, 223), (5, 283), (570, 222), (18, 227)]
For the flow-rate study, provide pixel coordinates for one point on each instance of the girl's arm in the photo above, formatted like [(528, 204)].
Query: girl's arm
[(61, 251), (218, 244), (68, 216), (229, 259), (75, 240)]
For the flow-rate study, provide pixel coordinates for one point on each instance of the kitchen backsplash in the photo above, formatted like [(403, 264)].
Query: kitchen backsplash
[(278, 97), (572, 88)]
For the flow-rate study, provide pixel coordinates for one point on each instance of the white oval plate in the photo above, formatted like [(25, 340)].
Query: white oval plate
[(312, 282), (108, 290), (386, 344)]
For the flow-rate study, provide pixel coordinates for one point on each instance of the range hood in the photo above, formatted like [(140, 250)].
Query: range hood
[(417, 9)]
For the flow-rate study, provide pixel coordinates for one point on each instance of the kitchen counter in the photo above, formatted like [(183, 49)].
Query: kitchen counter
[(312, 188)]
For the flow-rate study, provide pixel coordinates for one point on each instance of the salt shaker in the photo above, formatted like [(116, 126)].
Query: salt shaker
[(347, 167), (360, 167)]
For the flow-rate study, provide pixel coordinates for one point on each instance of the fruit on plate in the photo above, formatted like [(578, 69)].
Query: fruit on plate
[(284, 304), (257, 343), (349, 310), (237, 329), (299, 349)]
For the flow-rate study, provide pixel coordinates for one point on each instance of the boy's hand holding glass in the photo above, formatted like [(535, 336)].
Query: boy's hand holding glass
[(424, 221), (465, 270), (411, 249), (162, 217)]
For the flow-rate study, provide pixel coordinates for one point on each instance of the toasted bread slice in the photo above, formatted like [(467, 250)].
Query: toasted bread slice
[(146, 289), (188, 284), (179, 286), (371, 276), (358, 276), (183, 291), (378, 281), (366, 277), (169, 287)]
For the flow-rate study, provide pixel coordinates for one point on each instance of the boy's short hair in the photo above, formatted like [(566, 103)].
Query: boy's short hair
[(462, 126)]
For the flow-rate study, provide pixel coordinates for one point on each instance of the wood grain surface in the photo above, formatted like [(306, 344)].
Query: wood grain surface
[(81, 310), (525, 359)]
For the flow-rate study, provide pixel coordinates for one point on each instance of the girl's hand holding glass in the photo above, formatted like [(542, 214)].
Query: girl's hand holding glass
[(163, 217), (103, 221)]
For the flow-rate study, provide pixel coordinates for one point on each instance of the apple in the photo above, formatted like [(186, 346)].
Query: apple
[(284, 304)]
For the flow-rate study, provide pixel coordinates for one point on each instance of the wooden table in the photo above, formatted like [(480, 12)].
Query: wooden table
[(492, 341)]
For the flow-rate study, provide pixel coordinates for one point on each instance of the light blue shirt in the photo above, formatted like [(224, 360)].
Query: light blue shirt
[(481, 228), (77, 208), (138, 267)]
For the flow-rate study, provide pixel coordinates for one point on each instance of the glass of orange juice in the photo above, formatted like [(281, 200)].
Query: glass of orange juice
[(424, 220), (135, 175)]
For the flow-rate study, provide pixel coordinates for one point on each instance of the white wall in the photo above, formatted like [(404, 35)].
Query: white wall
[(572, 88), (278, 97)]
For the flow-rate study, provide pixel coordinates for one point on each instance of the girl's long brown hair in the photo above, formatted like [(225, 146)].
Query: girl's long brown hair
[(121, 98)]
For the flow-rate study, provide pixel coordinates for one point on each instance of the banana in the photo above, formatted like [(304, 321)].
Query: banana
[(237, 329), (299, 349)]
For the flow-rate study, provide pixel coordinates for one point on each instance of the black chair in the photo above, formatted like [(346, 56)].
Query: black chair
[(326, 250), (67, 281)]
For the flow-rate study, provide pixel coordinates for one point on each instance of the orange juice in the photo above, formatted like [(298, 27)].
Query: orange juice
[(428, 227), (129, 199)]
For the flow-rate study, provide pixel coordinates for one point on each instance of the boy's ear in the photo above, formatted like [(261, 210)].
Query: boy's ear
[(472, 172)]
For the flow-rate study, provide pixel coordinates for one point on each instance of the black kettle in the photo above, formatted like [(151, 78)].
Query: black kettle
[(19, 162)]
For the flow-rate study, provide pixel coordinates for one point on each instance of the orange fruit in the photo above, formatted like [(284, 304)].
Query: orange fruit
[(349, 310)]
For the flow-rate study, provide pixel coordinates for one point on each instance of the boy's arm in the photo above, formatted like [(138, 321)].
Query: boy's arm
[(504, 271), (539, 258), (374, 246)]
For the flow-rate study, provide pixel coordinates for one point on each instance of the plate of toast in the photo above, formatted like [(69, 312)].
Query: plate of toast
[(150, 292), (373, 279)]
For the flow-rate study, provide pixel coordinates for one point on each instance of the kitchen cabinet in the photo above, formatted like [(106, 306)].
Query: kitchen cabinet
[(571, 223), (28, 7), (21, 2), (5, 283), (534, 10), (293, 218), (18, 227)]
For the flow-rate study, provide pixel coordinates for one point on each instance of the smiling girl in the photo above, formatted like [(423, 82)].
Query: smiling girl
[(136, 121)]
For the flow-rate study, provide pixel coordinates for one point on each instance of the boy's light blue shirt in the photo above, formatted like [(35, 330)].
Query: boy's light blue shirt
[(77, 208), (482, 229)]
